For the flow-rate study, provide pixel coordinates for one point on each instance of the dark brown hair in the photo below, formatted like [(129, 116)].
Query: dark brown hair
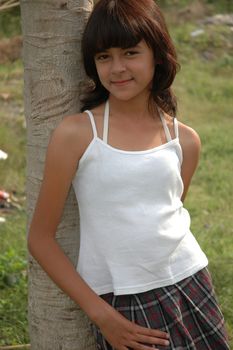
[(124, 23)]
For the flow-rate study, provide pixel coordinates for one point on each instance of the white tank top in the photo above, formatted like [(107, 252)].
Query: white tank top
[(135, 232)]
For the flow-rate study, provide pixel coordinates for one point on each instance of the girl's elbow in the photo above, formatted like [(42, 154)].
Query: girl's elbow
[(31, 244), (34, 243), (37, 242)]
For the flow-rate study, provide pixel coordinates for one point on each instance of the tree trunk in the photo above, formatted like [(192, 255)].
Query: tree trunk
[(52, 32)]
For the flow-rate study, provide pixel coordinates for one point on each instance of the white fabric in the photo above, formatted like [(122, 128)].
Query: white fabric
[(92, 123), (106, 120), (135, 232)]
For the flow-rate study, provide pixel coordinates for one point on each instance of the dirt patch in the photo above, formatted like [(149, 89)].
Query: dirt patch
[(10, 49)]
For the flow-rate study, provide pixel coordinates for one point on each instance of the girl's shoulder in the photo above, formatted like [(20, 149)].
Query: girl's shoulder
[(74, 132), (186, 133), (188, 136), (190, 142), (191, 147), (79, 127)]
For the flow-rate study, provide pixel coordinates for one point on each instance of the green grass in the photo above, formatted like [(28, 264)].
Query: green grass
[(215, 5), (10, 22), (13, 281), (11, 82), (205, 99), (13, 277), (12, 130), (204, 92)]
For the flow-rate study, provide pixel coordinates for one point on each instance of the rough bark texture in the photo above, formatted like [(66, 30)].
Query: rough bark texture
[(52, 31)]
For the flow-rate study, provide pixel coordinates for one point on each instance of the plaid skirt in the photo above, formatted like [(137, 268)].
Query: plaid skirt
[(187, 310)]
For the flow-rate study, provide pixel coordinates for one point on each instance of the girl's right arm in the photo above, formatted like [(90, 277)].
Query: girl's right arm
[(64, 151)]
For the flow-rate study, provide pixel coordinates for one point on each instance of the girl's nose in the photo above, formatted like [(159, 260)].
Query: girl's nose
[(118, 65)]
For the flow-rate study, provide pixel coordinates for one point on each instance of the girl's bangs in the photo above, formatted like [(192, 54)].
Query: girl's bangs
[(113, 33)]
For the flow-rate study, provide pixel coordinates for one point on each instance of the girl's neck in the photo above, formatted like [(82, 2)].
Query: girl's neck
[(136, 109)]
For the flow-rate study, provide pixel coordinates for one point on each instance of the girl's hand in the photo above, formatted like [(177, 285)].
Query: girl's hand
[(123, 334)]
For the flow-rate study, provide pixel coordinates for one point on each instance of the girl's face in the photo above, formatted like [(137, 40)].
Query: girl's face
[(126, 73)]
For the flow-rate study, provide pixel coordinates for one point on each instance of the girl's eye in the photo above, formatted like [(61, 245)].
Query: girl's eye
[(101, 57), (130, 53)]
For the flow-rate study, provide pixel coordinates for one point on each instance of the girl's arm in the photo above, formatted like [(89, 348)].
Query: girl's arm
[(191, 147), (64, 151), (60, 167)]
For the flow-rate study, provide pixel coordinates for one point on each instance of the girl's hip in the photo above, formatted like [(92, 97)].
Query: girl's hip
[(187, 310)]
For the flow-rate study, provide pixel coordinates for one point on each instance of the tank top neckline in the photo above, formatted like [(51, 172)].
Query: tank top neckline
[(104, 142)]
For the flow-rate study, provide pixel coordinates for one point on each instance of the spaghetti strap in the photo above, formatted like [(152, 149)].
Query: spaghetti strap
[(106, 120), (176, 128), (92, 123), (165, 127)]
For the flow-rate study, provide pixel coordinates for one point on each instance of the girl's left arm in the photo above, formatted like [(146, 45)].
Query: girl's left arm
[(191, 147)]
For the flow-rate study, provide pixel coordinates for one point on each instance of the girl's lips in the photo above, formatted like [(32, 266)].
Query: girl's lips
[(121, 82)]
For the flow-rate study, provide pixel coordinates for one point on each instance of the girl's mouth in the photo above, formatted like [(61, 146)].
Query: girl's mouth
[(121, 82)]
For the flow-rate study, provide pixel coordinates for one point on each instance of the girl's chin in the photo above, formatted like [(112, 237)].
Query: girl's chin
[(126, 96), (122, 97)]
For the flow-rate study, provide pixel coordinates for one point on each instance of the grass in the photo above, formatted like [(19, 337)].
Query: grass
[(204, 92), (214, 5), (210, 198), (12, 131), (13, 281), (13, 276), (205, 98), (10, 22)]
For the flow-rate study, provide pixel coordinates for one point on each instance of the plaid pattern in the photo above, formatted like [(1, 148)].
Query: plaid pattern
[(187, 310)]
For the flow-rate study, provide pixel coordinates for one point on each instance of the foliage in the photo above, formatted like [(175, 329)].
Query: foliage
[(12, 131), (225, 5), (13, 261), (219, 5), (11, 268), (13, 281), (209, 110), (10, 22), (10, 19)]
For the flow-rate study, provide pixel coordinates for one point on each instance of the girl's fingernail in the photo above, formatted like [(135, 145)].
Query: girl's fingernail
[(167, 342)]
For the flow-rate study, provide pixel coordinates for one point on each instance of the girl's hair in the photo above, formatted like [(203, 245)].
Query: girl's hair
[(124, 23)]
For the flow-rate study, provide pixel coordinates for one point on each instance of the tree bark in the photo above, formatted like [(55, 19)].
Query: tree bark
[(52, 32)]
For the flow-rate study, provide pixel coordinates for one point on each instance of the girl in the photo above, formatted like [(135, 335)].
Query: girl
[(141, 276)]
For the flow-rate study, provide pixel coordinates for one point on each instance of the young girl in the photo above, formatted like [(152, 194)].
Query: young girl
[(141, 276)]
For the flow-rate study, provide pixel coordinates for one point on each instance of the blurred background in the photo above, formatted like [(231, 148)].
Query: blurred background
[(203, 34)]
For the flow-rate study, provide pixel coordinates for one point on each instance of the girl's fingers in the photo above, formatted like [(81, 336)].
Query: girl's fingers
[(152, 332), (123, 334), (152, 340)]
